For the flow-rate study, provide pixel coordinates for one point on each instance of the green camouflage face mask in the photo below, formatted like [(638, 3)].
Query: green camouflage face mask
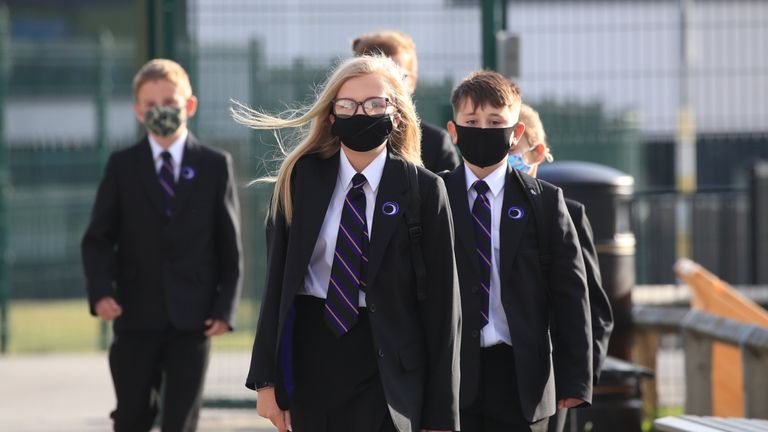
[(163, 121)]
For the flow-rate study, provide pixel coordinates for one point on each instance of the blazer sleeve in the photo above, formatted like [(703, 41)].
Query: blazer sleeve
[(229, 247), (602, 315), (440, 311), (264, 355), (98, 243), (569, 299)]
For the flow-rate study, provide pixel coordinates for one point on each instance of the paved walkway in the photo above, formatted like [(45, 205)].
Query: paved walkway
[(73, 393)]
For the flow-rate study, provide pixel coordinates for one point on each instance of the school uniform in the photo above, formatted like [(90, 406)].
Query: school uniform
[(169, 253), (438, 153), (512, 287), (602, 315), (396, 368)]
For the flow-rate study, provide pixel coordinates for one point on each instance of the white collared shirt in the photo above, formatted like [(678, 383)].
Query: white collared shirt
[(497, 329), (319, 270), (176, 150)]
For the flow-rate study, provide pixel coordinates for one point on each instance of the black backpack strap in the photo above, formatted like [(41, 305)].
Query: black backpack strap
[(534, 190), (413, 220)]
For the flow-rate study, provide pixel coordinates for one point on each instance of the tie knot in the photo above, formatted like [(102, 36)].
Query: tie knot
[(481, 187), (166, 155), (358, 181)]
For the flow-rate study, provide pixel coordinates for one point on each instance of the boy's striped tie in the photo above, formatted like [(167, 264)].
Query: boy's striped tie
[(349, 262), (167, 182), (481, 213)]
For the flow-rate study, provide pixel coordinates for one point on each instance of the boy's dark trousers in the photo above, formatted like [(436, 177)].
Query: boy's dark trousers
[(337, 380), (497, 406), (142, 361)]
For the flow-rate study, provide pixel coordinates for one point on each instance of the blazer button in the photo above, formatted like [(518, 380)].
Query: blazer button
[(475, 333), (381, 353), (475, 288), (371, 308)]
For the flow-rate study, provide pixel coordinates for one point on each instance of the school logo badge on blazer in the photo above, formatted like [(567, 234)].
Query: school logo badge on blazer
[(187, 173), (390, 208), (515, 212)]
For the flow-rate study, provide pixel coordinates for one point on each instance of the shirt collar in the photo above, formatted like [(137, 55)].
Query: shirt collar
[(176, 149), (495, 179), (372, 172)]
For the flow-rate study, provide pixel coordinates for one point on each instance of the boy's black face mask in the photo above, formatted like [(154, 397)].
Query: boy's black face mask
[(484, 147), (362, 133)]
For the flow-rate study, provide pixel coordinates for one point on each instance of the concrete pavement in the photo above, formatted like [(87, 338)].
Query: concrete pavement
[(73, 393)]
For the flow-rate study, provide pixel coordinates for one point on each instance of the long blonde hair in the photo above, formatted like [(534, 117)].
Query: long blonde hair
[(405, 140)]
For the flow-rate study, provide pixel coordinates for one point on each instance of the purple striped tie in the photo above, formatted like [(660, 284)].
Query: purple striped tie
[(481, 213), (167, 182), (349, 262)]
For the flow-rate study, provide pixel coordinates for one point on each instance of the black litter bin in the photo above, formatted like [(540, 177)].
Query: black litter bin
[(617, 400)]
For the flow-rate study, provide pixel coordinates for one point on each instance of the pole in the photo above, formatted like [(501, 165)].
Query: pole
[(104, 66), (5, 268), (685, 142)]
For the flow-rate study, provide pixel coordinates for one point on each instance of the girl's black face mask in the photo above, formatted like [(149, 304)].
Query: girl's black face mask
[(484, 147), (362, 133)]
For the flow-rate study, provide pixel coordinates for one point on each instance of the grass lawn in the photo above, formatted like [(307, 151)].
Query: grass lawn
[(66, 326)]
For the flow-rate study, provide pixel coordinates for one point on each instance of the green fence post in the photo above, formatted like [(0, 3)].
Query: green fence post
[(104, 67), (5, 268)]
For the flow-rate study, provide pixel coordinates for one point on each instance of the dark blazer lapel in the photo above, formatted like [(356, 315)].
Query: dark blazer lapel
[(188, 174), (456, 184), (311, 198), (148, 173), (516, 211), (393, 188)]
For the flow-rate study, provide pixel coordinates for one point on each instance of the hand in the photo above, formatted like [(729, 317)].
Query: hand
[(266, 406), (569, 403), (108, 309), (215, 327)]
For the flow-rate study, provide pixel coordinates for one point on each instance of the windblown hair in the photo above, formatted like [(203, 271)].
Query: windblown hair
[(405, 140), (534, 130), (163, 69)]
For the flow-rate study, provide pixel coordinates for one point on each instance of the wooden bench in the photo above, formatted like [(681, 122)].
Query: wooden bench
[(688, 423)]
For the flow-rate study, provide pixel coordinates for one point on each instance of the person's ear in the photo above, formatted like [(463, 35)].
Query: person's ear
[(539, 153), (396, 119), (451, 126), (331, 118), (517, 133), (191, 106)]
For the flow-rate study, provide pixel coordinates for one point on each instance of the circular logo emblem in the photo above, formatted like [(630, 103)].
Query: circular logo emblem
[(187, 173), (390, 208), (516, 212)]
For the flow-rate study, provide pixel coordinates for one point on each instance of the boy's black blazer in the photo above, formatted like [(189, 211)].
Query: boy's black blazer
[(602, 315), (417, 342), (536, 285), (437, 150), (179, 271)]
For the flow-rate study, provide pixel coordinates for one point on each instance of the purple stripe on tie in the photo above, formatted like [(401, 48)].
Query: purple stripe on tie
[(167, 187), (482, 255), (349, 239), (355, 211), (358, 185), (168, 166), (479, 222), (343, 295), (349, 269), (336, 319), (485, 201), (488, 290)]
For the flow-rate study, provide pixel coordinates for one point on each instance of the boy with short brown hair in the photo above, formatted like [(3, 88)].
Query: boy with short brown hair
[(162, 256), (520, 265)]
